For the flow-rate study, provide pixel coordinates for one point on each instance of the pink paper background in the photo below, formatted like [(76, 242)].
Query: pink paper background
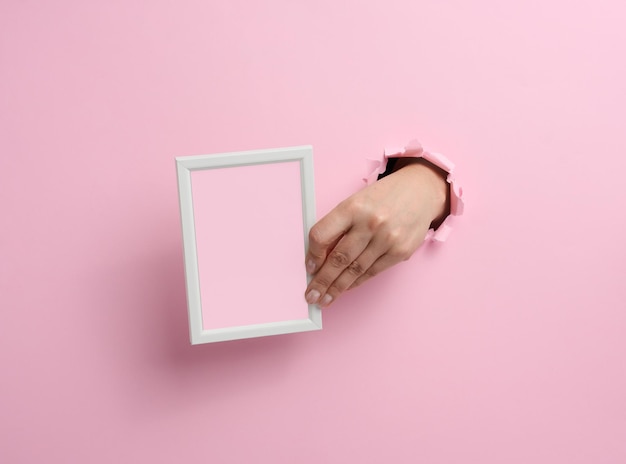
[(504, 345), (250, 244)]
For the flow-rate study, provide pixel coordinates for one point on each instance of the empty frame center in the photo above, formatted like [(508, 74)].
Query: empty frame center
[(249, 230)]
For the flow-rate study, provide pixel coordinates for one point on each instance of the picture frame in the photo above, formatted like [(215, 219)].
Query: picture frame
[(245, 220)]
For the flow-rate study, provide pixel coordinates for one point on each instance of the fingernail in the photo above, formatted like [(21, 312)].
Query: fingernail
[(310, 267), (312, 296), (326, 300)]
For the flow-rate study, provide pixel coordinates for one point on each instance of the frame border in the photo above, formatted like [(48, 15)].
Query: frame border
[(184, 166)]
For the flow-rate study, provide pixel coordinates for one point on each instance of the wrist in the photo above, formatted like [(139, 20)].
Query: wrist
[(441, 225), (435, 178)]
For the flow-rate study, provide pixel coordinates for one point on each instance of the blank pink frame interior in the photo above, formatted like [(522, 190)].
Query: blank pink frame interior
[(245, 218)]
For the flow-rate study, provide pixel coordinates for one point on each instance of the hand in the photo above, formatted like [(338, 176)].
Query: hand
[(374, 229)]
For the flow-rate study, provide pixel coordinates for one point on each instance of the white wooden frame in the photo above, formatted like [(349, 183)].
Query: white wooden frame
[(185, 165)]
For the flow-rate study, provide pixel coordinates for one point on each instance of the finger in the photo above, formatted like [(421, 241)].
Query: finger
[(324, 236), (347, 250), (383, 263), (394, 256), (374, 250)]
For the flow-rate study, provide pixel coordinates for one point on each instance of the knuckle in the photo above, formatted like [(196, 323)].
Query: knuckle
[(355, 269), (338, 259), (315, 234), (354, 205), (402, 252), (394, 236), (376, 221), (363, 211), (368, 275), (322, 282)]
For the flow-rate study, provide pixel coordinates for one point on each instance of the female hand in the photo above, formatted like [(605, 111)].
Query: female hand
[(374, 229)]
